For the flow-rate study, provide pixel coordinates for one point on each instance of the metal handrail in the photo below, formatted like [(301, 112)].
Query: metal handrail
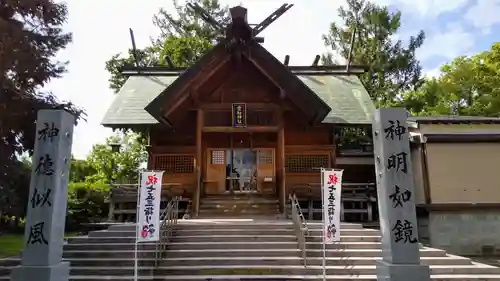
[(168, 219), (300, 226)]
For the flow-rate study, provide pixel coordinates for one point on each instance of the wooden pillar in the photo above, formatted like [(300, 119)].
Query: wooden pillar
[(280, 153), (199, 155)]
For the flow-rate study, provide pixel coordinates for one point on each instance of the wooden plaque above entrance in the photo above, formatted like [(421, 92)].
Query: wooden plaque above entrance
[(239, 115)]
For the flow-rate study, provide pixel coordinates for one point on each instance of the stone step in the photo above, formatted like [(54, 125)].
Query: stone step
[(254, 198), (221, 238), (228, 212), (223, 245), (260, 269), (279, 277), (89, 262), (440, 277), (247, 216), (231, 231), (240, 224), (425, 252), (256, 203)]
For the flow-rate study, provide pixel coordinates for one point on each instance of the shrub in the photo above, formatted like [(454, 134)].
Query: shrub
[(87, 203)]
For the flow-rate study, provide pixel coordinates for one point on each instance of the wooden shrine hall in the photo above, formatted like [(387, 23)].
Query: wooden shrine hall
[(241, 121)]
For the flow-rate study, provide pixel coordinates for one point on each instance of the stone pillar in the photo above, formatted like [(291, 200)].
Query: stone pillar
[(47, 202), (396, 199)]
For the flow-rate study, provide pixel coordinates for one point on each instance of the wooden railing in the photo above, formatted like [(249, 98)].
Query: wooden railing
[(300, 226), (123, 199), (357, 198), (168, 219)]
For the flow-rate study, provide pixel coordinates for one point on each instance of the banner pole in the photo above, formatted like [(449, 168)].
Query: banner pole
[(137, 227), (323, 220)]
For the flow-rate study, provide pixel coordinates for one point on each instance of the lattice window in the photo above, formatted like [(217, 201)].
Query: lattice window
[(218, 157), (306, 163), (175, 164), (265, 156)]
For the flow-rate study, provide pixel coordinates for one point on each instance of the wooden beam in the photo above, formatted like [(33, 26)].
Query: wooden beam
[(198, 83), (280, 151), (250, 129), (287, 60), (194, 86), (266, 73), (316, 60), (228, 106), (199, 156)]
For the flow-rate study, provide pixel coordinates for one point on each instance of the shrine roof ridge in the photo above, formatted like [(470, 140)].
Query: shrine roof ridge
[(129, 70)]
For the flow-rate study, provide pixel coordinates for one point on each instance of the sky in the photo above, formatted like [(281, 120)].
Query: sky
[(100, 29)]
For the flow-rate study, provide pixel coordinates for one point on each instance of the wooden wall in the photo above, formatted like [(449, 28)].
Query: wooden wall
[(307, 148)]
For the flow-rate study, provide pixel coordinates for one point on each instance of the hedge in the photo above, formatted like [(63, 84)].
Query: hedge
[(87, 203)]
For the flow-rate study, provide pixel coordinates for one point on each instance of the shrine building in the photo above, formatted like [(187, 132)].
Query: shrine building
[(241, 121)]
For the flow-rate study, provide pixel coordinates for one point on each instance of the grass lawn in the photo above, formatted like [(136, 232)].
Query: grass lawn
[(13, 244)]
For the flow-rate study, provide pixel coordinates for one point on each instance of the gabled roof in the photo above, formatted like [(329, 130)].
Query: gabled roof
[(350, 103), (313, 107), (134, 95), (155, 106)]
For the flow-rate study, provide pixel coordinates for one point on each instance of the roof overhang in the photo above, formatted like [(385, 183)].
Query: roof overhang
[(156, 106), (312, 106)]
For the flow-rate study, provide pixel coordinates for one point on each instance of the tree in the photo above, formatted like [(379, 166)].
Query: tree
[(467, 86), (392, 67), (30, 35), (184, 38), (80, 170), (121, 167)]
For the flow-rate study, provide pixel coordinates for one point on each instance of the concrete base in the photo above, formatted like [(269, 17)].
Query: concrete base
[(402, 272), (58, 272), (466, 232)]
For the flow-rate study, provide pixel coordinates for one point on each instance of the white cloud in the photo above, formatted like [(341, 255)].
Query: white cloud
[(432, 73), (484, 14), (426, 8), (448, 44)]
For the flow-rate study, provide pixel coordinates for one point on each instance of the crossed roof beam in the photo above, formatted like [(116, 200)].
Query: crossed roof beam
[(238, 14)]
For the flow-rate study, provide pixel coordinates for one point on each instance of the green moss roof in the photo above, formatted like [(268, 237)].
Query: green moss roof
[(346, 96)]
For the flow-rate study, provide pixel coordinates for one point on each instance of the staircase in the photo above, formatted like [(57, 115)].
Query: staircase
[(244, 249), (239, 205)]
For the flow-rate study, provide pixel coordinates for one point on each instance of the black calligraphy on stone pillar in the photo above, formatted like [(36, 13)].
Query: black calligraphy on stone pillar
[(49, 131), (398, 197), (395, 130), (40, 199), (44, 166), (403, 232), (36, 234), (398, 161)]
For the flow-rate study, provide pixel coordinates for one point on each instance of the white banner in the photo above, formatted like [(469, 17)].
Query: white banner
[(331, 181), (148, 217)]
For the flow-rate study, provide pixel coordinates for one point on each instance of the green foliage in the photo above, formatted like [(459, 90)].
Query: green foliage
[(87, 202), (80, 170), (122, 166), (392, 67), (185, 37), (31, 34), (466, 86), (184, 51)]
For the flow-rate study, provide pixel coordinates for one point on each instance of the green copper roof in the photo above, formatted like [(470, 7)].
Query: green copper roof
[(345, 94)]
